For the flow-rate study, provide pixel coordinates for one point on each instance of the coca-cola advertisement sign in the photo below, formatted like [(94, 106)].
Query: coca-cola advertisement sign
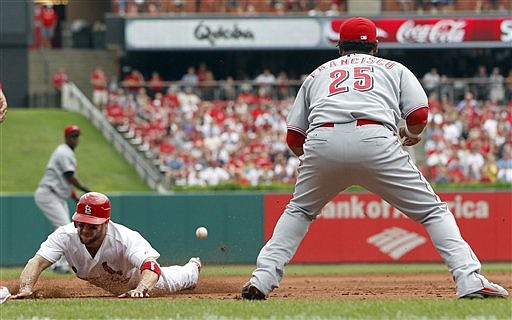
[(438, 31), (442, 31)]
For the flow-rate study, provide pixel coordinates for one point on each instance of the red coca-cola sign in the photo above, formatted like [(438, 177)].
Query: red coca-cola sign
[(444, 30)]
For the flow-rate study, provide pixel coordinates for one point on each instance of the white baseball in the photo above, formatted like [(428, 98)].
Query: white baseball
[(201, 233)]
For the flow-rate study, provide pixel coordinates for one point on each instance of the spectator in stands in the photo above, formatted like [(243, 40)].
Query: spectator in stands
[(115, 113), (480, 82), (266, 80), (49, 19), (206, 82), (59, 78), (431, 80), (214, 174), (155, 84), (170, 99), (189, 102), (132, 10), (152, 9), (119, 6), (99, 81), (133, 81), (496, 86), (469, 102), (283, 90), (228, 89), (405, 5), (190, 78), (508, 86), (505, 164), (333, 11), (489, 169)]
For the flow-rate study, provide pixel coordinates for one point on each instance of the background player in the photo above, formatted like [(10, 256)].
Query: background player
[(3, 105), (343, 126), (107, 255), (56, 185)]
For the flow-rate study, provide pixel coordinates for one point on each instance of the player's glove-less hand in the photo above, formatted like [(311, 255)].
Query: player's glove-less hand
[(22, 295), (408, 141), (135, 293)]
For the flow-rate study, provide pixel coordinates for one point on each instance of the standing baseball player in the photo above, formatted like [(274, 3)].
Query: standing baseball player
[(107, 255), (56, 185), (343, 127)]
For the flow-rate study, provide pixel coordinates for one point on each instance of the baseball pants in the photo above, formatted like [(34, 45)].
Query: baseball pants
[(53, 207), (371, 156)]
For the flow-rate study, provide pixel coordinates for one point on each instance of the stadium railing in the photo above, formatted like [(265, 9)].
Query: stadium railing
[(75, 100)]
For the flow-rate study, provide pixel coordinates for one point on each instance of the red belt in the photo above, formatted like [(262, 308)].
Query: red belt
[(359, 122)]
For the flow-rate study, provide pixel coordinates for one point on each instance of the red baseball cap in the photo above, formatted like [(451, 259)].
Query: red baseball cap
[(71, 129), (358, 29), (92, 208)]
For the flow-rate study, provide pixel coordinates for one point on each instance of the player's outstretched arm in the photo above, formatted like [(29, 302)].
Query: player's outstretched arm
[(77, 184), (30, 275), (150, 272)]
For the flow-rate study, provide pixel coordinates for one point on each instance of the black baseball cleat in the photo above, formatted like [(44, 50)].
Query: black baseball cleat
[(250, 292)]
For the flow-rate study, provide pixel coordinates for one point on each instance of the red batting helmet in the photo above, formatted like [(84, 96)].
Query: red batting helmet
[(71, 129), (92, 208)]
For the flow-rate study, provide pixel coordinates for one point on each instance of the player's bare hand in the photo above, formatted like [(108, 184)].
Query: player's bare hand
[(135, 293), (408, 141), (22, 295)]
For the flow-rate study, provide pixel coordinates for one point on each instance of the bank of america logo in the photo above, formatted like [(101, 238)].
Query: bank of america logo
[(395, 242)]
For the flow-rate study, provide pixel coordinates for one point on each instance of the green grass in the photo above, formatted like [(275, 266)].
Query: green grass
[(409, 309), (178, 308), (29, 136)]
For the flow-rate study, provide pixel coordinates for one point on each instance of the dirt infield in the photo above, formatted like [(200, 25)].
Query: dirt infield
[(353, 286)]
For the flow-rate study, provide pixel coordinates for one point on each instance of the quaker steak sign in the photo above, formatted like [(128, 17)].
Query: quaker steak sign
[(361, 227), (438, 31)]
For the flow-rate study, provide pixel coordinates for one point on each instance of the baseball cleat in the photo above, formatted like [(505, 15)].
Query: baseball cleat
[(250, 292), (197, 261), (490, 290)]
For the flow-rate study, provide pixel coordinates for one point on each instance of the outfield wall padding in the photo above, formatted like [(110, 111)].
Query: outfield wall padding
[(168, 222), (353, 227)]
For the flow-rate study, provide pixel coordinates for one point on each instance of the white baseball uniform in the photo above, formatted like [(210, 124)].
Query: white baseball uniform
[(116, 265), (54, 189), (349, 109)]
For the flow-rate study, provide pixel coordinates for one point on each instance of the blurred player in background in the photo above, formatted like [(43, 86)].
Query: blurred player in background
[(343, 126), (107, 255), (56, 185)]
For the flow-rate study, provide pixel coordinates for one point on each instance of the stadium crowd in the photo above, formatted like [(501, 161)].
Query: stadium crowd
[(200, 131), (294, 7)]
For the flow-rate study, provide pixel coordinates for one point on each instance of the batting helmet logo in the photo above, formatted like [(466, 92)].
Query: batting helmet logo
[(92, 208)]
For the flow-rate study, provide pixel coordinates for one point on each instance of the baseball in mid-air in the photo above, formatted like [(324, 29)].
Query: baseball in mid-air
[(201, 233)]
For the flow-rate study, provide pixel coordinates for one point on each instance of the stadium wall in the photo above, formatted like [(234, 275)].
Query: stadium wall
[(354, 227)]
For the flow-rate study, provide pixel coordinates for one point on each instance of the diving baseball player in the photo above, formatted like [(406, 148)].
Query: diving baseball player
[(343, 127), (56, 185), (107, 255)]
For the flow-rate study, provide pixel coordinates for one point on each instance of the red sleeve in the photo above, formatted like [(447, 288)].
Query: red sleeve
[(294, 138), (419, 116)]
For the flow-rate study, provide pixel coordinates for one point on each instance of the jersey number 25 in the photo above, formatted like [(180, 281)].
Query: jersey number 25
[(362, 75)]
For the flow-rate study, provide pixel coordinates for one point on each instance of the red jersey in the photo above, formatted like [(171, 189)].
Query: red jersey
[(59, 78), (98, 80), (48, 17)]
